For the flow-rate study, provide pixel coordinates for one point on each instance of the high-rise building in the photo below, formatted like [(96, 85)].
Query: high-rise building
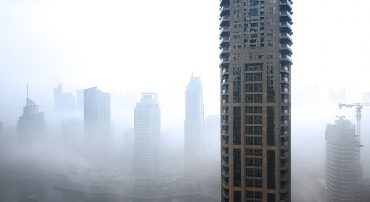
[(194, 117), (255, 99), (146, 138), (97, 119), (343, 165), (63, 101), (31, 123)]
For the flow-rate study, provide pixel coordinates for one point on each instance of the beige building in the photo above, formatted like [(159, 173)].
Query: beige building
[(255, 99)]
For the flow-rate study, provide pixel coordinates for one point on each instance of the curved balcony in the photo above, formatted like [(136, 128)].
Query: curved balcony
[(225, 20), (285, 59), (285, 27), (225, 9), (285, 49), (225, 52), (224, 61), (225, 71), (224, 2), (284, 69), (284, 79), (225, 31), (286, 38), (286, 5), (225, 41), (285, 16)]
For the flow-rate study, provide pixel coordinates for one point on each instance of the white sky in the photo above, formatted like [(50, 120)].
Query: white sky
[(134, 46)]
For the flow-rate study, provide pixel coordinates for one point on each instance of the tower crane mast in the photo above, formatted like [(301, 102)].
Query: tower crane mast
[(359, 107)]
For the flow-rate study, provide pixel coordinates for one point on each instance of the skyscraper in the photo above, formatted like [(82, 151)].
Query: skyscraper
[(255, 99), (63, 101), (97, 119), (146, 138), (194, 117), (31, 123), (343, 167)]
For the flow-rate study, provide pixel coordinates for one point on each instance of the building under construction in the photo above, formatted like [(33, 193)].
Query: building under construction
[(343, 165)]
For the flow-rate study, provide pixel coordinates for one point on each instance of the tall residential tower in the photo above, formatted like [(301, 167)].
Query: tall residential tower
[(194, 117), (97, 119), (146, 139), (255, 99)]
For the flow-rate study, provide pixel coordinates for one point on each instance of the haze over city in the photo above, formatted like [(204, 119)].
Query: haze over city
[(165, 55)]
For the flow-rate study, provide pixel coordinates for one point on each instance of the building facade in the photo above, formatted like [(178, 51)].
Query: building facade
[(255, 99), (343, 167), (146, 139), (31, 123), (97, 120), (193, 125)]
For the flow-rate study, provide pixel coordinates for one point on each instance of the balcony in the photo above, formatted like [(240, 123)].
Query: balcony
[(224, 92), (285, 59), (224, 2), (284, 79), (284, 133), (225, 163), (284, 69), (284, 90), (284, 122), (225, 71), (224, 40), (225, 51), (225, 31), (225, 20), (286, 27), (225, 153), (224, 61), (225, 173), (225, 9), (284, 156), (286, 16), (284, 167), (286, 5), (285, 49), (286, 38)]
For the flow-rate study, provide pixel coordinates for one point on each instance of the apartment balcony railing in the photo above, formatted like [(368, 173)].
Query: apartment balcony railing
[(285, 59), (286, 5), (285, 27), (286, 15), (285, 48), (286, 38)]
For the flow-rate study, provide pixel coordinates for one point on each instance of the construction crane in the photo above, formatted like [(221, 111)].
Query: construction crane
[(359, 107)]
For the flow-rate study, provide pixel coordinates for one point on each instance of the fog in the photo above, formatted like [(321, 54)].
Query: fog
[(126, 49)]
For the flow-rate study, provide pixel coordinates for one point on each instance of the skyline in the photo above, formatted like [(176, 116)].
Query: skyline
[(39, 41)]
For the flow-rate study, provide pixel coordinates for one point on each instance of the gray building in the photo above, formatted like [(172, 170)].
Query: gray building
[(31, 123), (146, 139), (343, 167), (97, 119), (63, 101), (255, 99), (193, 125)]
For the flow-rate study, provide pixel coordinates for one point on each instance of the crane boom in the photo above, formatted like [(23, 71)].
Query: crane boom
[(359, 106)]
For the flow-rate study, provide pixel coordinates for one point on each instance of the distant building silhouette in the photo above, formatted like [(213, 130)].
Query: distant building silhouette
[(147, 138), (97, 119), (343, 167), (194, 131), (1, 127), (31, 123), (63, 101)]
